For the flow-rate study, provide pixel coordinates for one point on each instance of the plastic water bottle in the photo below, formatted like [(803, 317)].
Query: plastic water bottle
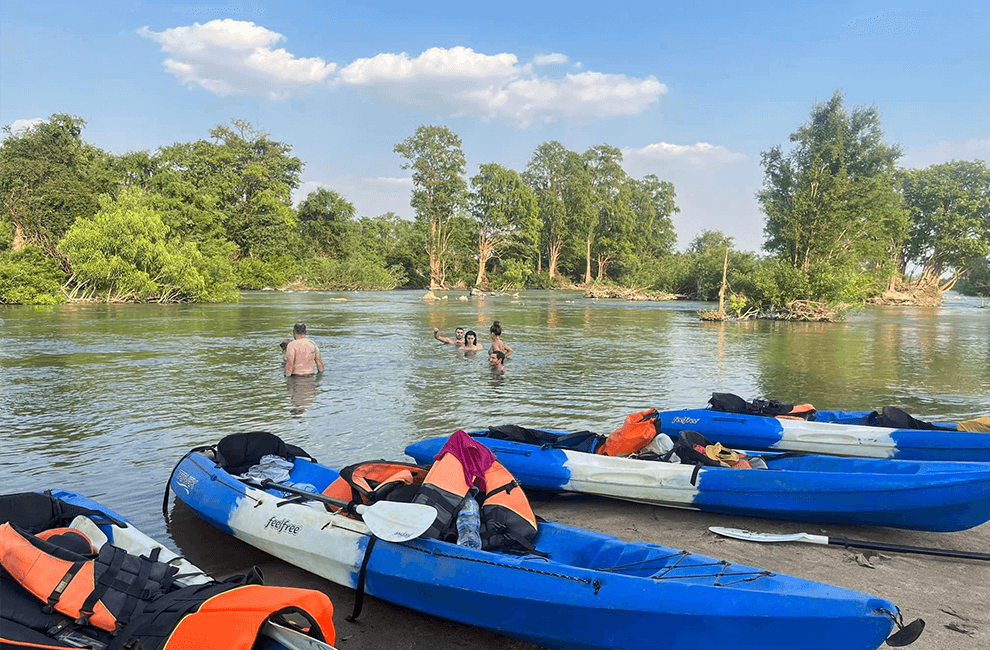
[(469, 522)]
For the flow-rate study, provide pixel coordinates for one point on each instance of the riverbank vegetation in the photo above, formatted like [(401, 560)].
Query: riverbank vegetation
[(198, 221)]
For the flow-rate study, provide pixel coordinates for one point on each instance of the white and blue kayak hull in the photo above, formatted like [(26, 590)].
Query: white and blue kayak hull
[(931, 496), (833, 432), (592, 592)]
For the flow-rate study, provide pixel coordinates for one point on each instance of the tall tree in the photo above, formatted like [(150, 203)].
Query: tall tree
[(325, 221), (439, 190), (49, 177), (653, 205), (611, 203), (546, 174), (579, 204), (254, 177), (505, 209), (949, 206), (831, 200)]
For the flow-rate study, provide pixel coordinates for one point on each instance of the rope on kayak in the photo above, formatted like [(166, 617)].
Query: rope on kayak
[(663, 572)]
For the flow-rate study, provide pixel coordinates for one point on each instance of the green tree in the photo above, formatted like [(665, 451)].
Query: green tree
[(400, 244), (613, 223), (651, 238), (831, 200), (505, 211), (123, 253), (949, 205), (49, 177), (707, 258), (546, 174), (653, 204), (325, 222), (439, 190), (29, 277)]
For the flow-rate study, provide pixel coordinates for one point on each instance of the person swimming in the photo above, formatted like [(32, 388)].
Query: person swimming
[(498, 345), (470, 343), (497, 360), (457, 340)]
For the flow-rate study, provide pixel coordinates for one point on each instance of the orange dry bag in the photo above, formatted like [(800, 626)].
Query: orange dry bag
[(637, 432)]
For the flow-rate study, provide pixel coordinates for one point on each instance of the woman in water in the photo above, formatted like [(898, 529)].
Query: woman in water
[(498, 345), (470, 343)]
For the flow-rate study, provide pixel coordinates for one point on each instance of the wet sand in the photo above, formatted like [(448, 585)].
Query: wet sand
[(952, 595)]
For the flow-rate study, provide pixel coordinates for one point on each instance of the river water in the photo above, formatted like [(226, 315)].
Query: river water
[(104, 399)]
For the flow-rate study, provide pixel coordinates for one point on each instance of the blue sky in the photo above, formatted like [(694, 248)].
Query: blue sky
[(692, 93)]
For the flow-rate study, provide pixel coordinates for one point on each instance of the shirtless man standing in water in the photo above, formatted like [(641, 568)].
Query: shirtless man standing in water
[(302, 354)]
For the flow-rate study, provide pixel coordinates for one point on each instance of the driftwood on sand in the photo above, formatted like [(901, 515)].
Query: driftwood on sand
[(627, 294), (922, 293), (795, 310)]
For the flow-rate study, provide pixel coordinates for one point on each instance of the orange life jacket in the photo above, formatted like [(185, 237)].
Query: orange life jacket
[(133, 597), (373, 481), (507, 520), (634, 434), (799, 412), (233, 618)]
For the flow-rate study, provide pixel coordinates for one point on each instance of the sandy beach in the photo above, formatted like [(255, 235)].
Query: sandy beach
[(951, 595)]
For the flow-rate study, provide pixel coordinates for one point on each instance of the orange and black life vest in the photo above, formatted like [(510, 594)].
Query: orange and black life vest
[(373, 481), (129, 601), (507, 520)]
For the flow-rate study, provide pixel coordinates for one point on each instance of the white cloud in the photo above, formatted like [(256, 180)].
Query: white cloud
[(24, 125), (462, 82), (701, 153), (946, 150), (228, 57), (548, 59), (456, 64)]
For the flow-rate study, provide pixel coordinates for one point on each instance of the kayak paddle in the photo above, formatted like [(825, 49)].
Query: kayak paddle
[(391, 521), (842, 541)]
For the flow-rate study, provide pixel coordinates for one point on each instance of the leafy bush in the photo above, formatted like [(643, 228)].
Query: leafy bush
[(776, 283), (512, 274), (28, 277), (123, 253), (354, 273), (255, 273), (541, 280), (842, 284), (6, 236)]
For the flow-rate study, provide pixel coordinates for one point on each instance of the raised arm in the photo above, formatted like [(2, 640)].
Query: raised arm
[(443, 339)]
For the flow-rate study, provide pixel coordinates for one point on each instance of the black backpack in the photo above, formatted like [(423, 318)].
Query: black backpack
[(581, 441), (239, 452), (895, 418), (729, 403), (684, 447)]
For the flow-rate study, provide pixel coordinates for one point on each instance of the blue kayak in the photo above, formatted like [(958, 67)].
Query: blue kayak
[(20, 626), (932, 496), (844, 433), (584, 590)]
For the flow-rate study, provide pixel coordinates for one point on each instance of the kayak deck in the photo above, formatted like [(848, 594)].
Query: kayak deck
[(932, 496), (631, 590)]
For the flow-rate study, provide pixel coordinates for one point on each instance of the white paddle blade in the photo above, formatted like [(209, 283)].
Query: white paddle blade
[(749, 536), (393, 521)]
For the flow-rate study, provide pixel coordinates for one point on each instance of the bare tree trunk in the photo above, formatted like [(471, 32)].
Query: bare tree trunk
[(554, 259), (484, 250), (587, 265), (721, 291)]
